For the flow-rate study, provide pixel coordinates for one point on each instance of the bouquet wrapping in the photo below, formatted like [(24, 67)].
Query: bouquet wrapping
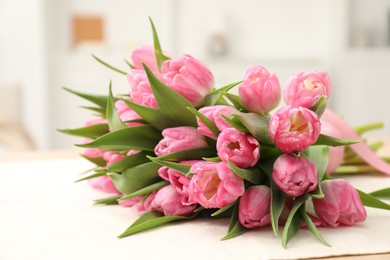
[(176, 148)]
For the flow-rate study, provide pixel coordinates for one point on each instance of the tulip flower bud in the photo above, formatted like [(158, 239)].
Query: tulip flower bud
[(240, 148), (304, 89), (341, 204), (254, 207), (125, 113), (260, 90), (214, 185), (168, 201), (103, 183), (336, 154), (214, 114), (144, 54), (189, 77), (141, 92), (178, 139), (294, 175), (293, 129)]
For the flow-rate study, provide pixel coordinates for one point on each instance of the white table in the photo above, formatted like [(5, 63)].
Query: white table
[(44, 215)]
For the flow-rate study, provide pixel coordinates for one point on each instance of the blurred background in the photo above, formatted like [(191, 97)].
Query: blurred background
[(47, 44)]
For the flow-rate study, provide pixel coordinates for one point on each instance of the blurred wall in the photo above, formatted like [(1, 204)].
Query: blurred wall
[(229, 36)]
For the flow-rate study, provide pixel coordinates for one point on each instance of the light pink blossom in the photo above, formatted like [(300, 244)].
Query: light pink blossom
[(294, 128), (112, 157), (125, 113), (135, 203), (294, 175), (304, 89), (178, 139), (336, 154), (169, 202), (103, 183), (341, 204), (254, 207), (144, 54), (260, 90), (178, 180), (214, 185), (96, 121), (214, 113), (141, 92), (241, 149), (189, 77)]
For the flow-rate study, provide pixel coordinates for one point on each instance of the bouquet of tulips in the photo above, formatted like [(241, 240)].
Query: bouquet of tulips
[(175, 148)]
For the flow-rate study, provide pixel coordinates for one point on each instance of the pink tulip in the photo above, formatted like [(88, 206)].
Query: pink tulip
[(214, 185), (341, 205), (254, 207), (214, 114), (125, 113), (141, 93), (170, 203), (294, 175), (293, 129), (111, 157), (135, 203), (178, 139), (240, 148), (336, 154), (96, 121), (260, 90), (189, 77), (144, 54), (103, 183), (304, 89), (179, 181), (93, 152)]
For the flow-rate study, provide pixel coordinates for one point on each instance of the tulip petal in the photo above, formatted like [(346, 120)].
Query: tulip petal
[(361, 148)]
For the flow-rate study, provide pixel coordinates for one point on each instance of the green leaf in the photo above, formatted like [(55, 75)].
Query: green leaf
[(369, 127), (370, 201), (160, 57), (213, 97), (234, 122), (172, 105), (320, 106), (235, 101), (112, 116), (235, 228), (149, 220), (99, 110), (293, 221), (312, 227), (129, 64), (108, 65), (99, 161), (99, 100), (108, 201), (210, 124), (180, 167), (151, 115), (383, 193), (212, 159), (277, 204), (146, 190), (96, 174), (333, 141), (92, 131), (131, 138), (222, 210), (192, 154), (253, 175), (257, 125), (319, 156), (136, 178), (129, 161)]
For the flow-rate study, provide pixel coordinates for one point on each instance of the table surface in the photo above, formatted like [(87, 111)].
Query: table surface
[(73, 154)]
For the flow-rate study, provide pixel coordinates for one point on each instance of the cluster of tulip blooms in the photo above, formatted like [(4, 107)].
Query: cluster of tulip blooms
[(176, 148)]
